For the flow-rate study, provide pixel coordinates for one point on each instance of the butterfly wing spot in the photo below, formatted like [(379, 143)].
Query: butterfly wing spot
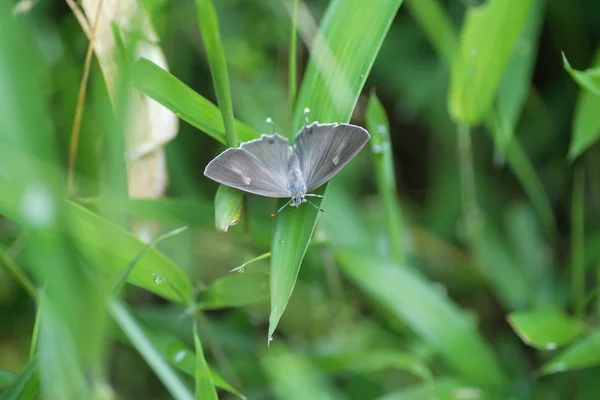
[(246, 180)]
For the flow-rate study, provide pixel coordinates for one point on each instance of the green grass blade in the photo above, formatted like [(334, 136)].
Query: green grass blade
[(433, 19), (516, 80), (586, 122), (209, 27), (379, 126), (585, 353), (235, 291), (137, 258), (293, 62), (204, 385), (588, 80), (545, 329), (25, 385), (441, 389), (437, 25), (578, 241), (439, 322), (144, 346), (487, 40), (179, 356), (293, 377), (89, 229), (341, 58), (169, 91)]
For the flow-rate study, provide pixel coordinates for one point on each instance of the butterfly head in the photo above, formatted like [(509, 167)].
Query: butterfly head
[(297, 199)]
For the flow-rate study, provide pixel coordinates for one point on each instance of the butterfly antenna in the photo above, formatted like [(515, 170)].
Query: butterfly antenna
[(306, 111), (282, 207), (270, 122), (314, 205)]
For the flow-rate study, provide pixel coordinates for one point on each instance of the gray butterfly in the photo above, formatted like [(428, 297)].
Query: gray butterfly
[(270, 167)]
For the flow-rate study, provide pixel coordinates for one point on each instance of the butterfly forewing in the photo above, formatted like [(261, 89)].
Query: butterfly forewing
[(323, 150), (259, 166)]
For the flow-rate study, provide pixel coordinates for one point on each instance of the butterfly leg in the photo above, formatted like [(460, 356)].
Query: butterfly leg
[(274, 214), (315, 206), (314, 195)]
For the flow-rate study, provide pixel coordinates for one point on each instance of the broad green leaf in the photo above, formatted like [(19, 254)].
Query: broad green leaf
[(586, 122), (236, 290), (585, 353), (588, 80), (90, 232), (441, 389), (25, 385), (341, 58), (488, 37), (545, 329), (293, 377), (228, 207), (178, 355), (169, 91), (433, 317), (147, 350), (379, 126)]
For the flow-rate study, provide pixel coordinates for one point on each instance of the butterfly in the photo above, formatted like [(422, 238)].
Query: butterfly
[(270, 167)]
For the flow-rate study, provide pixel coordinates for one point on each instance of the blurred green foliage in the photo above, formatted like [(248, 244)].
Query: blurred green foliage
[(459, 255)]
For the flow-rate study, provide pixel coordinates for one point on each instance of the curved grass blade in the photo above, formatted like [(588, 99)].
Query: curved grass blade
[(379, 126), (341, 57), (204, 385), (169, 91), (88, 233), (235, 291), (146, 349), (25, 385), (585, 353), (586, 123)]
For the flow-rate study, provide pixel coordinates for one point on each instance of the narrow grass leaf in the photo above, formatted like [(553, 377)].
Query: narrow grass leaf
[(179, 356), (583, 354), (586, 122), (436, 22), (488, 37), (516, 80), (235, 291), (381, 146), (545, 329), (293, 377), (144, 346), (137, 258), (374, 360), (6, 379), (341, 57), (25, 385), (204, 385), (435, 318), (188, 105), (578, 241), (437, 25), (588, 80)]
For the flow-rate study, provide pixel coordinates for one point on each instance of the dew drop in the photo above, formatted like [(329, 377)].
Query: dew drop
[(179, 356), (157, 278), (550, 346), (37, 206), (269, 340), (281, 241), (241, 270)]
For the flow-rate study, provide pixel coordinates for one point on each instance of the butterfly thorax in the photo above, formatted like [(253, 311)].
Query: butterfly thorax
[(297, 185)]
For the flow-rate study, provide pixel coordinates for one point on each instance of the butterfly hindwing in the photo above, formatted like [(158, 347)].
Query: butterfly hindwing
[(323, 150), (259, 166)]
